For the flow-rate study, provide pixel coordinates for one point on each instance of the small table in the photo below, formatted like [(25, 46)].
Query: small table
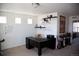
[(37, 42)]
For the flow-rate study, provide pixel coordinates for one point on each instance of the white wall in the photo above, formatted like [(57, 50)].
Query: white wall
[(15, 33), (51, 28)]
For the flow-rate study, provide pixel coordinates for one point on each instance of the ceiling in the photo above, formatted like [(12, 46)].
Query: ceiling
[(44, 8)]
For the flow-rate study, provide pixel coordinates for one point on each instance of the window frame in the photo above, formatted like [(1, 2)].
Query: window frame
[(18, 20), (30, 21), (4, 21), (77, 26)]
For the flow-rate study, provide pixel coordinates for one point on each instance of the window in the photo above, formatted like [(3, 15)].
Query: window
[(29, 21), (75, 26), (17, 20), (3, 19)]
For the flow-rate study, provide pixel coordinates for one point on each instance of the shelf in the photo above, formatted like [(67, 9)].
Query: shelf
[(40, 27)]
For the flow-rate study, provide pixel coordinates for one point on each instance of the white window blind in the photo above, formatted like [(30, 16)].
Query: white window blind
[(3, 19), (29, 21), (17, 20)]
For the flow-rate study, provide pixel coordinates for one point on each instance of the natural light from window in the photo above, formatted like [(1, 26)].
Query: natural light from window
[(17, 20), (29, 20), (76, 27), (3, 19)]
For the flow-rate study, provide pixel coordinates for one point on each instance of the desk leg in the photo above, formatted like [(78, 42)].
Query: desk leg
[(39, 51), (28, 44)]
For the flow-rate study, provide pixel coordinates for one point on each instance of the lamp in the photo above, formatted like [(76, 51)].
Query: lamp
[(35, 5)]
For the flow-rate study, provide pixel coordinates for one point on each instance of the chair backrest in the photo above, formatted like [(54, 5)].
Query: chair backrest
[(68, 34), (50, 36)]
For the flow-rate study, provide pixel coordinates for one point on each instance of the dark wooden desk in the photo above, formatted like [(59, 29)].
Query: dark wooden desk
[(1, 53), (37, 42)]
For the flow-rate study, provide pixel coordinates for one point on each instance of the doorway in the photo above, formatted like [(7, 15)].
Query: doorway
[(75, 28)]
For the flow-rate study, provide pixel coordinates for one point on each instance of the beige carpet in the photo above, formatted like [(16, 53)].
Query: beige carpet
[(72, 50)]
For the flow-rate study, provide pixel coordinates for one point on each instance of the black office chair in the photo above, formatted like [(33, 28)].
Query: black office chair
[(68, 38), (52, 42), (1, 53)]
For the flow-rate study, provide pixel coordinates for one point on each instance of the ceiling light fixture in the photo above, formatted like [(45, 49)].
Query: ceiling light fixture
[(35, 5)]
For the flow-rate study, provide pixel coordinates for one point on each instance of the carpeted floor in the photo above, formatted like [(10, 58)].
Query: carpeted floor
[(72, 50)]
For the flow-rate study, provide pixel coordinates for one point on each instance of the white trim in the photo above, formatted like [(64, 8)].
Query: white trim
[(19, 12)]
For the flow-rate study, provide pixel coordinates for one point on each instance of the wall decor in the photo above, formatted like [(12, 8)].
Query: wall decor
[(36, 26), (62, 24), (35, 5), (48, 18)]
